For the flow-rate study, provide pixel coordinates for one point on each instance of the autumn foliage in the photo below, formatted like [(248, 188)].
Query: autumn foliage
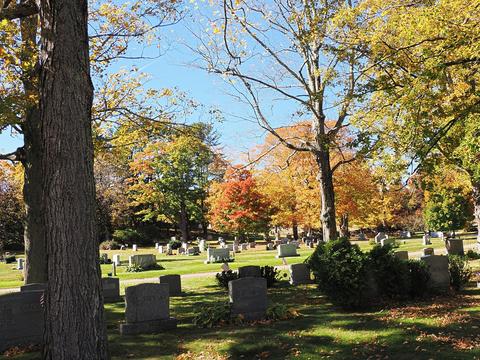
[(236, 205)]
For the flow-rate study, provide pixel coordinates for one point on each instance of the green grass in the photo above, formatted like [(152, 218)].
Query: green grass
[(179, 264), (322, 332)]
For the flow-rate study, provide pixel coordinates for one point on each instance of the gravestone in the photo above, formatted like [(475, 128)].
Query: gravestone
[(201, 245), (160, 249), (193, 251), (236, 248), (157, 245), (111, 289), (428, 252), (405, 234), (104, 258), (21, 319), (147, 310), (426, 240), (244, 247), (270, 246), (402, 255), (143, 260), (230, 247), (185, 245), (300, 274), (249, 271), (116, 259), (181, 251), (20, 264), (436, 234), (380, 236), (33, 287), (362, 236), (287, 250), (454, 247), (252, 245), (134, 247), (248, 297), (438, 270), (123, 247), (387, 241), (217, 255), (174, 284)]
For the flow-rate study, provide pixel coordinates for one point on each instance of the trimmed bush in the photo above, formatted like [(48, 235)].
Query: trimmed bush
[(271, 274), (460, 271), (211, 316), (224, 277), (419, 276), (175, 244), (391, 274), (341, 271)]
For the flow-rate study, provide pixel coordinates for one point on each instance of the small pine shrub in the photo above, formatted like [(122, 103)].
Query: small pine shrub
[(341, 271), (391, 274), (419, 276), (211, 316), (472, 255), (460, 271), (224, 277), (134, 268), (281, 312), (271, 274), (175, 244)]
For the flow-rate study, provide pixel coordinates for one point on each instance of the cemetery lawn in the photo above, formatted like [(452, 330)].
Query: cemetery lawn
[(441, 328), (179, 264)]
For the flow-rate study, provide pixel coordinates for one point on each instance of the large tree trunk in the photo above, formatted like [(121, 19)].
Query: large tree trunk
[(327, 195), (344, 226), (295, 230), (184, 222), (476, 204), (74, 318), (34, 233)]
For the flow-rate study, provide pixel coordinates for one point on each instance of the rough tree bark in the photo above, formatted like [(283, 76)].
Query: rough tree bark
[(476, 204), (327, 195), (74, 318), (34, 233), (184, 222)]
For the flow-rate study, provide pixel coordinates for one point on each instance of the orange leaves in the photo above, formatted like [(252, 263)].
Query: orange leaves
[(236, 205)]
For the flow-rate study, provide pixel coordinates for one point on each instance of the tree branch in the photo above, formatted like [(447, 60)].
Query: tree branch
[(17, 11)]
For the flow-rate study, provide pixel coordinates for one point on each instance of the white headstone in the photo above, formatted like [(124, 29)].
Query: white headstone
[(20, 264), (134, 247), (116, 259)]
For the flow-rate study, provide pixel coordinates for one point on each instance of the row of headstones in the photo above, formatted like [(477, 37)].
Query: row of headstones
[(216, 255), (146, 309), (406, 234)]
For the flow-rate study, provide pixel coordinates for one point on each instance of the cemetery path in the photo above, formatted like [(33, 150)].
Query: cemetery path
[(412, 254)]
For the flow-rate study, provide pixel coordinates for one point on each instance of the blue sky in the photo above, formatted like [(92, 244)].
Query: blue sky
[(170, 70)]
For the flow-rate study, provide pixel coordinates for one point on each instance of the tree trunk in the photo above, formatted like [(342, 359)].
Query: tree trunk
[(34, 234), (476, 204), (184, 222), (34, 229), (344, 226), (295, 230), (74, 318), (327, 195)]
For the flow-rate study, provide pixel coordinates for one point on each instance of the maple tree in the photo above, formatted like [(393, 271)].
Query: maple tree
[(236, 205)]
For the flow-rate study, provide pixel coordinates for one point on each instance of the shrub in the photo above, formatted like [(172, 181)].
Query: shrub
[(9, 259), (391, 274), (225, 276), (103, 261), (460, 272), (271, 274), (341, 271), (419, 276), (472, 255), (175, 244), (129, 236), (281, 312), (215, 315), (134, 268), (110, 245)]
